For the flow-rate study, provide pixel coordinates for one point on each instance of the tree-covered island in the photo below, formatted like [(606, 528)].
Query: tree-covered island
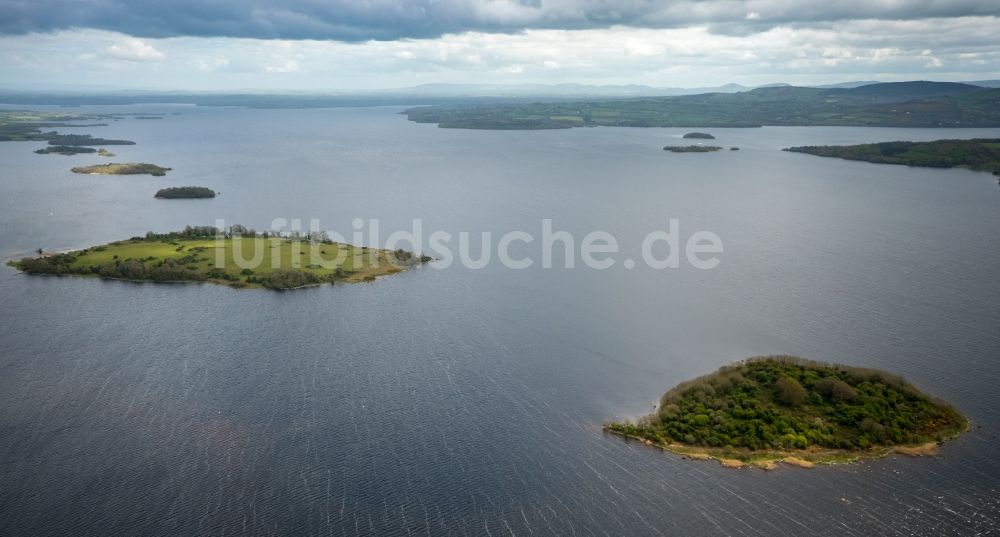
[(699, 136), (691, 148), (65, 150), (239, 258), (982, 154), (130, 168), (770, 409), (185, 192)]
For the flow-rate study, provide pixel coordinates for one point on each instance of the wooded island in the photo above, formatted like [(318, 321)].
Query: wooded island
[(781, 408)]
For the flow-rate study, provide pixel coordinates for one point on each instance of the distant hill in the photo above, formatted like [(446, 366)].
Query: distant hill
[(985, 83), (912, 90), (555, 90), (893, 104), (847, 85)]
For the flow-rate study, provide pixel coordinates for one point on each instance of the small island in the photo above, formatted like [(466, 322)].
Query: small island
[(980, 154), (772, 409), (699, 136), (65, 150), (185, 192), (104, 153), (691, 148), (131, 168), (238, 258)]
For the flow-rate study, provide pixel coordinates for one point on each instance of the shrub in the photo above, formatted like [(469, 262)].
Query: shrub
[(836, 390), (290, 279), (789, 391)]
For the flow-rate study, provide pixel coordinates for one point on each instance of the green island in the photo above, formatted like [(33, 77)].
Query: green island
[(981, 154), (699, 136), (104, 153), (239, 258), (893, 104), (691, 148), (65, 150), (185, 192), (772, 409), (129, 168)]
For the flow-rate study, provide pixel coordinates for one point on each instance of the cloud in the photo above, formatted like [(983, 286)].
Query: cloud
[(133, 50), (952, 49), (208, 65), (355, 20), (284, 66)]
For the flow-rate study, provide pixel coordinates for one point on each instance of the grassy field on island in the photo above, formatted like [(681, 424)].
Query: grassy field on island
[(251, 262)]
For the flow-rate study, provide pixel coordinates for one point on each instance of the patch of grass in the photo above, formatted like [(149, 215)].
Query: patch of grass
[(130, 168)]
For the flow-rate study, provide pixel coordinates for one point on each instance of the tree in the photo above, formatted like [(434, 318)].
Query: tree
[(789, 391), (836, 390)]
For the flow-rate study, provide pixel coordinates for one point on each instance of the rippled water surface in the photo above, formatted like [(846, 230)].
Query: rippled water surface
[(469, 402)]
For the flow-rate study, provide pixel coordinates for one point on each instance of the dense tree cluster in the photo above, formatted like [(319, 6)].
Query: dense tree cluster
[(126, 269), (289, 279), (977, 154), (65, 150), (786, 402), (691, 148), (185, 192), (82, 139)]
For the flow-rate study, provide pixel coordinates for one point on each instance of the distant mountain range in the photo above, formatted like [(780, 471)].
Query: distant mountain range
[(78, 94), (586, 90), (442, 94)]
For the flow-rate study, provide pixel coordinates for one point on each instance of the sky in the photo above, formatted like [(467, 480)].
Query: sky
[(350, 45)]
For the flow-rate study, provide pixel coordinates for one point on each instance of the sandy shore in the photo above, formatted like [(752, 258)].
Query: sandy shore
[(801, 458)]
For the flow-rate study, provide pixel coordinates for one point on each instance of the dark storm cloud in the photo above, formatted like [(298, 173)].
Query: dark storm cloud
[(358, 20)]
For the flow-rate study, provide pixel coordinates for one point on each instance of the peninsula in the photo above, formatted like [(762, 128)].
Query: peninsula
[(131, 168), (769, 409), (82, 139), (240, 258), (185, 192), (981, 154), (23, 125)]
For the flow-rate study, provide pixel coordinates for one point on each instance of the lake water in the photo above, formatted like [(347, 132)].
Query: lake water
[(469, 402)]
